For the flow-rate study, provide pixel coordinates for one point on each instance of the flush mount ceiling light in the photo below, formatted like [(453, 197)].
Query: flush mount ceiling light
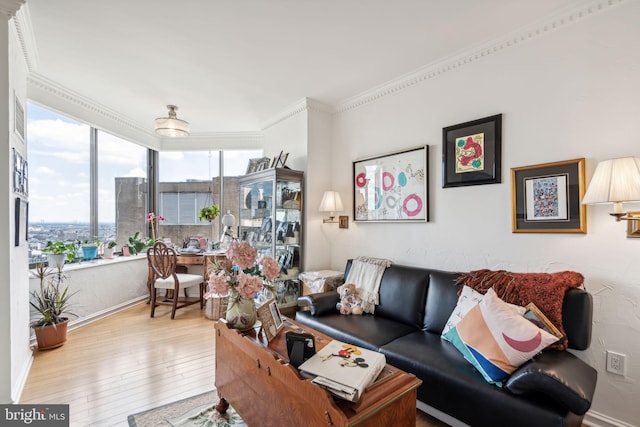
[(172, 126)]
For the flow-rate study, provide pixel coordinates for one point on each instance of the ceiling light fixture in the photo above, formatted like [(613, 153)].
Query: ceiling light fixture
[(172, 126)]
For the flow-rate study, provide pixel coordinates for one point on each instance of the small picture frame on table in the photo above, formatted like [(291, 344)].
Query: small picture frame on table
[(269, 315), (472, 153), (546, 198)]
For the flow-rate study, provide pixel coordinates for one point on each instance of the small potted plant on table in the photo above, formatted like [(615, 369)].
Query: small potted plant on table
[(52, 302)]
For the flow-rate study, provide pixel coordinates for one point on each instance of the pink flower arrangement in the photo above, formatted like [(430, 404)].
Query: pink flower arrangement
[(153, 219), (246, 277)]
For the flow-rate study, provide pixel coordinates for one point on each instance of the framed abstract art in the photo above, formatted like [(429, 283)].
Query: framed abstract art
[(471, 152), (547, 198), (392, 187)]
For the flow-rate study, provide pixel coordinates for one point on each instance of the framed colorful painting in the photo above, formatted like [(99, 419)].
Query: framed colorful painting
[(546, 198), (471, 153), (392, 187)]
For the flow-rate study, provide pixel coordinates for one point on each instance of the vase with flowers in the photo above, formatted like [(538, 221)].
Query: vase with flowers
[(242, 279), (154, 219)]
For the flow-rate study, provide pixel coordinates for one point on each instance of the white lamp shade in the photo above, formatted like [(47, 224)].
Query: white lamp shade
[(331, 202), (171, 126), (615, 181), (228, 220)]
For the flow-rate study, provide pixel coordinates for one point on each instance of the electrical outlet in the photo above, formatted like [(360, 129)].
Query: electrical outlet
[(616, 362)]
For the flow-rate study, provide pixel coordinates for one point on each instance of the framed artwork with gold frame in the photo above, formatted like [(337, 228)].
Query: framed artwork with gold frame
[(546, 198)]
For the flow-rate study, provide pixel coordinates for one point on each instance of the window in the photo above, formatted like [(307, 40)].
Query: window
[(59, 168), (67, 204), (189, 181), (121, 189)]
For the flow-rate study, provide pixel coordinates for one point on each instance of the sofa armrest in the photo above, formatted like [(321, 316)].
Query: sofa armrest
[(561, 376), (321, 303)]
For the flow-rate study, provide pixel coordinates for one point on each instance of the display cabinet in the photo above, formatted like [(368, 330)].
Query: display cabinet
[(271, 219)]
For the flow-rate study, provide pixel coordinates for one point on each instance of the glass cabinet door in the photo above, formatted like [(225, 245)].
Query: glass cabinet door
[(271, 216), (271, 219)]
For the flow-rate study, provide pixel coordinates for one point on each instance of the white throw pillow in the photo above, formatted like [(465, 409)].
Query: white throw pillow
[(468, 299)]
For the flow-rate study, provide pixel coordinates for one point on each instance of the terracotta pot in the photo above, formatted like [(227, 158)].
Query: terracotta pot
[(49, 337)]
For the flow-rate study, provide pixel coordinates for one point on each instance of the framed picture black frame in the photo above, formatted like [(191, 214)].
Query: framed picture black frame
[(392, 187), (472, 152), (546, 198), (21, 221)]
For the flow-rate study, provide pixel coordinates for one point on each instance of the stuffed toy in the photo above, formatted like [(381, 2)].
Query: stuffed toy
[(350, 302)]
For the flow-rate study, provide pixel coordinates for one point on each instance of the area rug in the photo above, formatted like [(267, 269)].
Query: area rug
[(194, 411)]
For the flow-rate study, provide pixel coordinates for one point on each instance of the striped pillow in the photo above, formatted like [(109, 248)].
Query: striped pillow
[(495, 340)]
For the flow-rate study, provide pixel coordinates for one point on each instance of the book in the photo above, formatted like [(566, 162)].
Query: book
[(535, 316), (344, 369)]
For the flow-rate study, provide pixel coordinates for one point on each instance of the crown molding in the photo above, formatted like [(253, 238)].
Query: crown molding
[(213, 140), (8, 8), (41, 83), (27, 38), (305, 104), (572, 15)]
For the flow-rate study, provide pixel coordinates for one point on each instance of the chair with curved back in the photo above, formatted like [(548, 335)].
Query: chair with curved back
[(162, 262)]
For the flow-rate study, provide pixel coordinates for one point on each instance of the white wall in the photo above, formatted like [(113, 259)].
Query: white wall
[(566, 93), (103, 287), (15, 357)]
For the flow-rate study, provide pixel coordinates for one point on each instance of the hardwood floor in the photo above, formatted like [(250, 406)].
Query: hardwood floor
[(128, 363)]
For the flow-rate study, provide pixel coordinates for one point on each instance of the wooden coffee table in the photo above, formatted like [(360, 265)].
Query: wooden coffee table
[(254, 376)]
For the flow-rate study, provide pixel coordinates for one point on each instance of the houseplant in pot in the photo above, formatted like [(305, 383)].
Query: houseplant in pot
[(209, 213), (90, 248), (52, 302), (137, 244), (59, 252), (108, 248)]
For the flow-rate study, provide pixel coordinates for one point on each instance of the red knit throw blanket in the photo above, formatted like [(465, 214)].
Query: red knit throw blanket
[(545, 290)]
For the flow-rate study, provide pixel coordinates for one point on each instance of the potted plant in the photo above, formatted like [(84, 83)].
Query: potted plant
[(52, 302), (108, 248), (209, 213), (90, 248), (137, 244), (59, 252)]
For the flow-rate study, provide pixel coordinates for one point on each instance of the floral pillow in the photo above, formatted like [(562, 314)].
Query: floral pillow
[(496, 340), (468, 299)]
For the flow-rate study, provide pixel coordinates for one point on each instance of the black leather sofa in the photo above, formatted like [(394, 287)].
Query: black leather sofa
[(553, 389)]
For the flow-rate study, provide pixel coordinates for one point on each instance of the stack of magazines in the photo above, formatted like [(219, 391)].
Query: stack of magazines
[(343, 369)]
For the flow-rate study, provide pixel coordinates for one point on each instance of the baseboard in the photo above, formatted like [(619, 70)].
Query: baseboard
[(93, 317), (591, 418), (22, 380), (436, 413), (596, 419)]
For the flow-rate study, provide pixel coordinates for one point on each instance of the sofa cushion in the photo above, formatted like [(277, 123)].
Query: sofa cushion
[(496, 340), (467, 300), (454, 386), (442, 296), (403, 291), (365, 330)]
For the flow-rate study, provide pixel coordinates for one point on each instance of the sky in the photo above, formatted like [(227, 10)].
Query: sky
[(58, 159)]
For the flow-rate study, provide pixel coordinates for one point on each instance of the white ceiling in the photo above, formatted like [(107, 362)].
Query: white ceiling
[(232, 65)]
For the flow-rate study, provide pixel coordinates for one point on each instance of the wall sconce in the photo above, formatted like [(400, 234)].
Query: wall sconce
[(616, 181), (332, 203)]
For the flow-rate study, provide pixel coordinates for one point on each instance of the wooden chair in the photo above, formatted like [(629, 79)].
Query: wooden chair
[(162, 263)]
